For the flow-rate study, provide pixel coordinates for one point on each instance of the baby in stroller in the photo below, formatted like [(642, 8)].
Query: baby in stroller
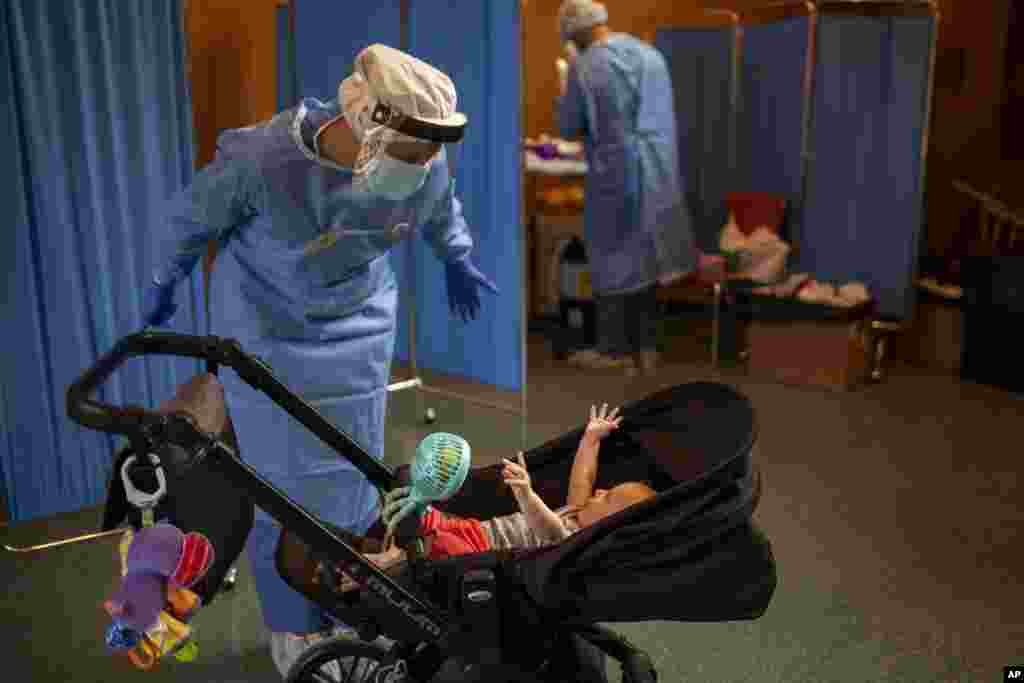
[(535, 525)]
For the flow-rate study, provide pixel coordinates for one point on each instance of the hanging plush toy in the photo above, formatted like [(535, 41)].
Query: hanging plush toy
[(152, 605)]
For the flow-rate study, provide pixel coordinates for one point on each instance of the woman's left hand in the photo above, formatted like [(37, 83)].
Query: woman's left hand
[(463, 279)]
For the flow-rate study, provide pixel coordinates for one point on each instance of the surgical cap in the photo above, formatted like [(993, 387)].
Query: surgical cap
[(579, 15), (388, 76)]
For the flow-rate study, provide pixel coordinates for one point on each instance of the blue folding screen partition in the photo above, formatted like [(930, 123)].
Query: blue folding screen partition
[(484, 65), (478, 44), (864, 198), (329, 34), (700, 62), (772, 106), (848, 158)]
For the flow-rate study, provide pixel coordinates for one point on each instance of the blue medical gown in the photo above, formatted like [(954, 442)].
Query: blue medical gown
[(303, 281), (637, 226)]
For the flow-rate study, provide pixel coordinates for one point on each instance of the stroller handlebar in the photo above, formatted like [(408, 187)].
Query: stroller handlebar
[(128, 420), (133, 420)]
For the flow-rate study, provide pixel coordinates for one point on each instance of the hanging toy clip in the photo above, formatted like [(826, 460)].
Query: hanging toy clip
[(145, 502)]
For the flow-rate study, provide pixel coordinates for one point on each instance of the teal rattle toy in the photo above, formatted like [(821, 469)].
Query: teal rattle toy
[(438, 471)]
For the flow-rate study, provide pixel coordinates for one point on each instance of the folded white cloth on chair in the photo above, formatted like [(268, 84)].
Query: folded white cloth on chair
[(762, 254), (849, 295), (787, 287)]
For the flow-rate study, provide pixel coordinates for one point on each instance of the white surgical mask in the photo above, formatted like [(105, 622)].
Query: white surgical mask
[(393, 179)]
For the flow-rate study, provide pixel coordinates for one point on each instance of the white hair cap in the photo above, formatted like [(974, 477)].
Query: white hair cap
[(579, 15), (384, 75)]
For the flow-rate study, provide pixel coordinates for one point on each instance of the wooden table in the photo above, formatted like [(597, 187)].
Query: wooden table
[(549, 223)]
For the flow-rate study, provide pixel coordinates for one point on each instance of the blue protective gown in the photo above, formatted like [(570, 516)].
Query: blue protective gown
[(303, 281), (637, 227)]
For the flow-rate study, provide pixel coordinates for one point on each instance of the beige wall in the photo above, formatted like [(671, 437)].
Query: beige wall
[(233, 66), (232, 70)]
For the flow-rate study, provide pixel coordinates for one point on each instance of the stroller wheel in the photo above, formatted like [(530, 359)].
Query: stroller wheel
[(342, 658)]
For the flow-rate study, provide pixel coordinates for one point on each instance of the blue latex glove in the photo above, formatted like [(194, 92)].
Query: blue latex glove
[(463, 278), (158, 305)]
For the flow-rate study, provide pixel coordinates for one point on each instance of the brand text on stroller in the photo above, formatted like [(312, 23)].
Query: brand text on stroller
[(421, 620)]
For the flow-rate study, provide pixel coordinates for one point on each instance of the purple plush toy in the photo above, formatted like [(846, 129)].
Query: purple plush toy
[(158, 555)]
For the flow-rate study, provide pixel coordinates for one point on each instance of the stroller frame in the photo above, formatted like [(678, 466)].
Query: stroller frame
[(428, 638)]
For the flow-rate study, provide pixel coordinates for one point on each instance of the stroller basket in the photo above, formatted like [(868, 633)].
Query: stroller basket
[(691, 553)]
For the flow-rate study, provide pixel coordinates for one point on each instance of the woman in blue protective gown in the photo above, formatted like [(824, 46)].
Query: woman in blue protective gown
[(618, 99), (305, 208)]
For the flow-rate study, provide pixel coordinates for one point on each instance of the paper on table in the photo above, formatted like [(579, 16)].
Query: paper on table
[(557, 167)]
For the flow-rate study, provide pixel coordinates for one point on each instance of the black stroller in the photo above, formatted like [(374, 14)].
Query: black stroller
[(692, 553)]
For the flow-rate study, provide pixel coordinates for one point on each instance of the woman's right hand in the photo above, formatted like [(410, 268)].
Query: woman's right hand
[(570, 52), (602, 423), (563, 75)]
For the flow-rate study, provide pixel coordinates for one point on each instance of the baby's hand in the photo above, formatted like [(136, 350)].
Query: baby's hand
[(602, 423), (515, 474)]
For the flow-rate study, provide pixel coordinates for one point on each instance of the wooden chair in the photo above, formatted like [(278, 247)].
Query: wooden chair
[(998, 231), (998, 226)]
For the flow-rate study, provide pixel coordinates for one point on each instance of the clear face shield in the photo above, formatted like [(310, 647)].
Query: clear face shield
[(397, 150)]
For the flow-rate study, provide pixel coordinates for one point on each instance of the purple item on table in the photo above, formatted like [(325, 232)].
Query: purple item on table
[(546, 151)]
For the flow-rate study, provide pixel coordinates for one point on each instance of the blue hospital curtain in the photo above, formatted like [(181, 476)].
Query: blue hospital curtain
[(97, 124), (864, 199), (771, 117), (330, 33), (483, 62), (700, 62)]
